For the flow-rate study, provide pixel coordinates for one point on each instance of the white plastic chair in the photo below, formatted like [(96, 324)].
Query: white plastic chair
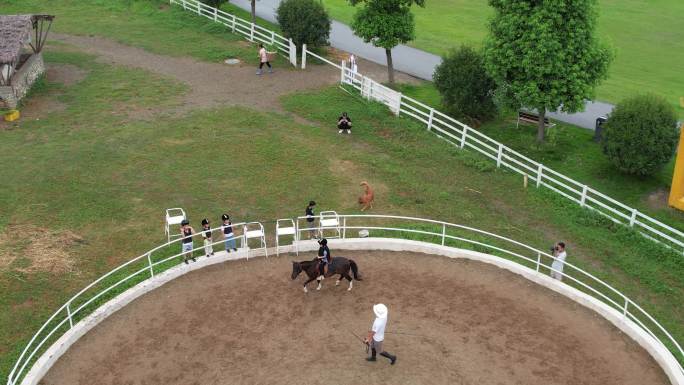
[(288, 229), (329, 220), (254, 230), (174, 217)]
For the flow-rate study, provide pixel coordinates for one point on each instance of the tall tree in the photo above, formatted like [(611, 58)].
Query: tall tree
[(385, 23), (543, 54), (253, 11)]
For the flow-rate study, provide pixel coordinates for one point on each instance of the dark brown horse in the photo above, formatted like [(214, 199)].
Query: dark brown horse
[(339, 265)]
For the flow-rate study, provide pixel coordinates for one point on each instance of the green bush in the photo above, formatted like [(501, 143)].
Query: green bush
[(304, 21), (640, 135), (467, 91)]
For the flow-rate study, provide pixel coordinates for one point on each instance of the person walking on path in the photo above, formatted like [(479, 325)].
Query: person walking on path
[(263, 59), (557, 265), (228, 233), (311, 219), (206, 235), (376, 336), (186, 233)]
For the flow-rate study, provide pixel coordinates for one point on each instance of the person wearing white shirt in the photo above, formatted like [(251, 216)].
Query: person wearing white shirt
[(376, 335), (557, 265)]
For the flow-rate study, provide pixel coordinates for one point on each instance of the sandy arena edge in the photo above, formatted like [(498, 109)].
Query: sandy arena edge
[(662, 356)]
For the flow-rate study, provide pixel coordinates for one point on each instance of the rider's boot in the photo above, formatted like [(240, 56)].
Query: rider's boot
[(372, 357), (390, 357)]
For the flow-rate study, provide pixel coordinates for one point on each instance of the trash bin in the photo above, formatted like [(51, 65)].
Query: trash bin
[(598, 129)]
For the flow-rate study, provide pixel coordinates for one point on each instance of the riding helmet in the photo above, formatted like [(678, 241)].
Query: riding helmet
[(323, 242), (312, 203), (205, 221), (225, 217), (185, 222)]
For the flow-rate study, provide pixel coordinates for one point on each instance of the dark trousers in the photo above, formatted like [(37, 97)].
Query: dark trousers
[(261, 65)]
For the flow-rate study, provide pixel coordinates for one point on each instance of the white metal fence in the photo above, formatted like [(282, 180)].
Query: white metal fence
[(168, 255), (457, 133), (251, 31)]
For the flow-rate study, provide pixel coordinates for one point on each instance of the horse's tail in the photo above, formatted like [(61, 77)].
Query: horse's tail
[(355, 270)]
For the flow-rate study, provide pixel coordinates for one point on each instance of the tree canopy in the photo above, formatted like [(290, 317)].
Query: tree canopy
[(544, 54), (304, 21), (385, 24)]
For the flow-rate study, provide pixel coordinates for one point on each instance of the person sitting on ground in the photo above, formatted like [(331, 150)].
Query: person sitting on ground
[(324, 257), (344, 123)]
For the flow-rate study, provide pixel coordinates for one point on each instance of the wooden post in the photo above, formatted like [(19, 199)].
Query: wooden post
[(463, 138), (432, 113), (303, 56), (233, 27)]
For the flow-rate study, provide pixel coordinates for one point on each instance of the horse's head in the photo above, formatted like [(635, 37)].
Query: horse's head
[(296, 269)]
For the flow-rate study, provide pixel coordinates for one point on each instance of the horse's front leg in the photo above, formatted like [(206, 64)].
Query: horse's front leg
[(306, 283), (337, 283)]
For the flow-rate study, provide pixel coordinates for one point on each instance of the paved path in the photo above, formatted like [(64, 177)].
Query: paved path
[(410, 60)]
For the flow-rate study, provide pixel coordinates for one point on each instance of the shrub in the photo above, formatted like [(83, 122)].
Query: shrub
[(467, 91), (304, 21), (640, 135), (214, 3)]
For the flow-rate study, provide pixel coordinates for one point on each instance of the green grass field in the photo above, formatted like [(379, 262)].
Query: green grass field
[(96, 180), (647, 36)]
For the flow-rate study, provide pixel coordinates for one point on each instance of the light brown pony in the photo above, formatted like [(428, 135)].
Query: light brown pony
[(366, 200)]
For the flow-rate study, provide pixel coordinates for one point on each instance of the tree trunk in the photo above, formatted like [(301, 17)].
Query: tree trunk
[(390, 67), (541, 126), (253, 11)]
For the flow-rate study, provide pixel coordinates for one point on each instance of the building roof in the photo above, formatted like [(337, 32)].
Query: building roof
[(15, 31)]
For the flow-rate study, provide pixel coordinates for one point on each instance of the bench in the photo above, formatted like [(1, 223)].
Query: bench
[(529, 117)]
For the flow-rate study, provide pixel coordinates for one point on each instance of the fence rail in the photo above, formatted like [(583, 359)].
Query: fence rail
[(166, 256)]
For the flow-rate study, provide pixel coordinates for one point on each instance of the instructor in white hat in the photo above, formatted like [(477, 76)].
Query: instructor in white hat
[(376, 335)]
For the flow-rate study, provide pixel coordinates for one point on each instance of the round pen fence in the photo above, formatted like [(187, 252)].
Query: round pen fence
[(346, 228)]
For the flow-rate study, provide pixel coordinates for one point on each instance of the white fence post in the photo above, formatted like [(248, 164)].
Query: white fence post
[(215, 14), (303, 56), (251, 33), (293, 53), (272, 37), (443, 233), (344, 66), (185, 8), (149, 261), (499, 155), (233, 26), (463, 138), (632, 219), (71, 319), (624, 311), (344, 227), (539, 173), (584, 195), (432, 113), (538, 260), (199, 7)]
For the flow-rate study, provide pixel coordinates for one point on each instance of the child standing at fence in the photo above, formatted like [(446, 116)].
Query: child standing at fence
[(206, 234), (187, 232), (228, 233), (263, 59)]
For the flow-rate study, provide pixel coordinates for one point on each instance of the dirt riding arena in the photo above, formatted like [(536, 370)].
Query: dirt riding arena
[(462, 322)]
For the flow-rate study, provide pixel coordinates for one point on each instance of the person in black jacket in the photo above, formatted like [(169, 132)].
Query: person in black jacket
[(344, 124), (311, 219)]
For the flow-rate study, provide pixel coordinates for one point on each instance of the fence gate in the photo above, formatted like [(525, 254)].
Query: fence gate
[(293, 53)]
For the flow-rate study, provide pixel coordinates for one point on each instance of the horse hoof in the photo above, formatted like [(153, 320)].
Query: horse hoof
[(306, 290), (337, 283), (318, 288), (349, 289)]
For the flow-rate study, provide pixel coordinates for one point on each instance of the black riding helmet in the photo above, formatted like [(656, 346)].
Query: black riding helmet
[(185, 222), (205, 221), (323, 242), (225, 217)]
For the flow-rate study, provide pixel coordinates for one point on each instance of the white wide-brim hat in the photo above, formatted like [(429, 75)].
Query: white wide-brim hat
[(380, 310)]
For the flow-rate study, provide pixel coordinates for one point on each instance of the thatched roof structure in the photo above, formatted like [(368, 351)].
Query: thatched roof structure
[(15, 32)]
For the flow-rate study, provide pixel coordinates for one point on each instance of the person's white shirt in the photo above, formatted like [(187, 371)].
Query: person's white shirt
[(557, 265), (379, 329)]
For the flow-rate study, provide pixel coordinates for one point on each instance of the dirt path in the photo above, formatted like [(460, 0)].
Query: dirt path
[(246, 322), (211, 84)]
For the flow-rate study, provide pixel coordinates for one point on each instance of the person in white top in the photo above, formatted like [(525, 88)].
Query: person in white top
[(557, 265), (376, 335), (352, 63)]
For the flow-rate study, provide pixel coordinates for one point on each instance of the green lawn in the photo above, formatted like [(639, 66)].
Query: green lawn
[(647, 35), (92, 173)]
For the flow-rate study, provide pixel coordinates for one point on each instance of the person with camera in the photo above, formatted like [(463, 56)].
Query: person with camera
[(558, 251), (344, 124)]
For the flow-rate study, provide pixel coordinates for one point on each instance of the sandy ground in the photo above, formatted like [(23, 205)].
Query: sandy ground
[(456, 322)]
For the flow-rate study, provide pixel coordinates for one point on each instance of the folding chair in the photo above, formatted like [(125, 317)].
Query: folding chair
[(174, 217), (329, 220), (257, 231), (288, 229)]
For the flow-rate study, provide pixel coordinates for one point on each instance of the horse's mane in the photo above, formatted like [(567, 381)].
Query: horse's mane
[(306, 264)]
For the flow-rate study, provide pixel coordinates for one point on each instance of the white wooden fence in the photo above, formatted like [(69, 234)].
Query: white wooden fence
[(247, 29), (458, 133)]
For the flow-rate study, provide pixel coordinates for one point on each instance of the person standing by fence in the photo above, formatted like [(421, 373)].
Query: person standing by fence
[(206, 235), (186, 249), (228, 233), (263, 59), (557, 265), (376, 336), (311, 219)]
